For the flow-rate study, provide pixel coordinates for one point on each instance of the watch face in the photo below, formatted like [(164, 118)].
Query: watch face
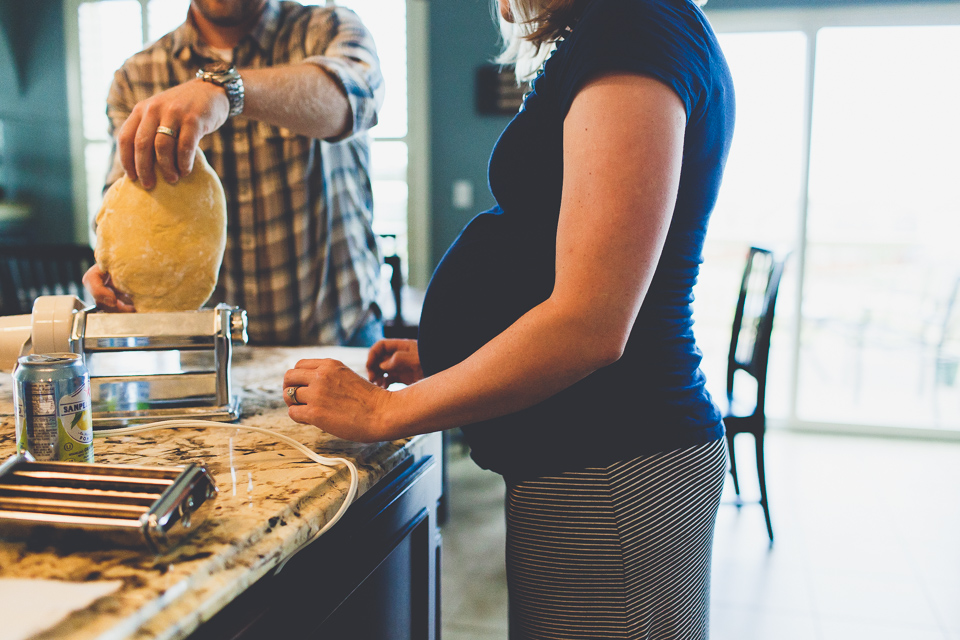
[(218, 66), (225, 75)]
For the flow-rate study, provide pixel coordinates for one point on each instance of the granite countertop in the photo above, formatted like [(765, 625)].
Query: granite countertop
[(271, 500)]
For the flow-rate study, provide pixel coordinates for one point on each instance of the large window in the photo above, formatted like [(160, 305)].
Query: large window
[(760, 198), (109, 31), (845, 154), (390, 152)]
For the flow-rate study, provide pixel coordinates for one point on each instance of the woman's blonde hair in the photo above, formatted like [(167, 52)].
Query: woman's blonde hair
[(536, 26)]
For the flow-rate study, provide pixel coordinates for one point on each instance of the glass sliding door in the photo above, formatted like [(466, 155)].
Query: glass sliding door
[(760, 199), (845, 153), (878, 344)]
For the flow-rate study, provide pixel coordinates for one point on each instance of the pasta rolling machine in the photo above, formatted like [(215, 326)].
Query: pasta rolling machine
[(143, 366)]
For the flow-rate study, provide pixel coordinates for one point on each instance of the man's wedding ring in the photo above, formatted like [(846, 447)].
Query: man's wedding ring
[(167, 131), (292, 392)]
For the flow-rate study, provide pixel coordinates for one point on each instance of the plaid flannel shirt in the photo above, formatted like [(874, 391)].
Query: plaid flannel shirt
[(301, 256)]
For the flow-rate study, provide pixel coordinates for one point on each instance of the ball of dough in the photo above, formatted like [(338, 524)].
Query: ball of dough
[(164, 247)]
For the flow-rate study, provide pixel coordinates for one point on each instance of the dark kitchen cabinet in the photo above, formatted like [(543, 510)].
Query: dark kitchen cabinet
[(374, 576)]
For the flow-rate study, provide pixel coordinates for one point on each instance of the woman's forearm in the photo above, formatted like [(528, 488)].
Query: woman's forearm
[(544, 352)]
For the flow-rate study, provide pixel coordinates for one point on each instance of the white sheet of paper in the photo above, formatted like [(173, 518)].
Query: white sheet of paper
[(27, 606)]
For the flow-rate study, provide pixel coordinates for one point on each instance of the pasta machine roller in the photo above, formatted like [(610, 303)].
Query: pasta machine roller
[(128, 505)]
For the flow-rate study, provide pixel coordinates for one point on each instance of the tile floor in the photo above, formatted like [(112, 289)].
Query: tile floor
[(867, 545)]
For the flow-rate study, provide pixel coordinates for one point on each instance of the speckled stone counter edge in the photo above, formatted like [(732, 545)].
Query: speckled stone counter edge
[(271, 500)]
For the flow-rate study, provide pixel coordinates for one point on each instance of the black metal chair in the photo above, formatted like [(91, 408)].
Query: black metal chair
[(29, 271), (749, 354), (398, 326)]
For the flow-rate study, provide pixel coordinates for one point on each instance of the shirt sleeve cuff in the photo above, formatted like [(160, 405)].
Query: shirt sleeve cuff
[(364, 96)]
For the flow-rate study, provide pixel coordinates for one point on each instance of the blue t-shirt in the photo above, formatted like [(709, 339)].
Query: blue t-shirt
[(503, 263)]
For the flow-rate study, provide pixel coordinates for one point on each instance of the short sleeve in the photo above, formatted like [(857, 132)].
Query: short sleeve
[(657, 38)]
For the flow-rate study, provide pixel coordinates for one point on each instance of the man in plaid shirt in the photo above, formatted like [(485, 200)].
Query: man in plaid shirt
[(285, 128)]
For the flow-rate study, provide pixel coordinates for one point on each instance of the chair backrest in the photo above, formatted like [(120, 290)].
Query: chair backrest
[(397, 326), (753, 321), (947, 360), (29, 271)]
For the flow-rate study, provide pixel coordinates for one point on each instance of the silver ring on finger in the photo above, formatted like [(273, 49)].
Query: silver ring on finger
[(292, 393), (167, 131)]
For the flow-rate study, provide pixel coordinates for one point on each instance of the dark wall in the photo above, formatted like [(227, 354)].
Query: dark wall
[(463, 37), (33, 109)]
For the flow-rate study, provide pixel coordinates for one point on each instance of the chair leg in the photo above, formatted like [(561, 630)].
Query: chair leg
[(763, 484), (733, 463)]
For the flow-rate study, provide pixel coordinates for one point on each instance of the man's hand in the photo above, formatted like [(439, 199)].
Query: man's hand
[(108, 298), (191, 110)]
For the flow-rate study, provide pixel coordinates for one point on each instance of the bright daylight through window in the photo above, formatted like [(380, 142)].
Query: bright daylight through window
[(878, 341)]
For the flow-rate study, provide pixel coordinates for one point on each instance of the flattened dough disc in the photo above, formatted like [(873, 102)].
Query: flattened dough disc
[(163, 247)]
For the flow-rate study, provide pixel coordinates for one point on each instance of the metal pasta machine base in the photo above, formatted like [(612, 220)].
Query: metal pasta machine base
[(143, 366)]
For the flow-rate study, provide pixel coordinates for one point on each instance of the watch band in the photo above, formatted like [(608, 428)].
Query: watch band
[(226, 76)]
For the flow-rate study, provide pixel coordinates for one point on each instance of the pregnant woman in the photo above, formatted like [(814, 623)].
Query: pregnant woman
[(557, 330)]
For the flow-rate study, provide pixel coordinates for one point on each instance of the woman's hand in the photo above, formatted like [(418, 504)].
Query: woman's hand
[(329, 395), (392, 361), (107, 297)]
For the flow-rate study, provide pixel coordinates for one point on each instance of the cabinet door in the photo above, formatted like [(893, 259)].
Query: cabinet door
[(375, 575)]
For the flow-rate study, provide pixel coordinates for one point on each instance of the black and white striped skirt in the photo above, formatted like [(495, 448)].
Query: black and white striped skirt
[(615, 552)]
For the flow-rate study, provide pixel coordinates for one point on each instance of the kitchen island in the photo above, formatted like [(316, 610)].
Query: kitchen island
[(375, 574)]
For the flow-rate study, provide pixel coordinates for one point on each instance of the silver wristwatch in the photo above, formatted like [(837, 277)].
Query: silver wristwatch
[(225, 75)]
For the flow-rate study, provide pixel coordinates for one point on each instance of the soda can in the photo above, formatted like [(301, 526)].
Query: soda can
[(52, 407)]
